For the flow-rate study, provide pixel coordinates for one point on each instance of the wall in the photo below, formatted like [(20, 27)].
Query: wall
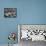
[(33, 12), (28, 12), (7, 25)]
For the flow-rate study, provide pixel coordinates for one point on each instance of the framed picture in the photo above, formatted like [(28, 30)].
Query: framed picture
[(32, 32), (10, 12)]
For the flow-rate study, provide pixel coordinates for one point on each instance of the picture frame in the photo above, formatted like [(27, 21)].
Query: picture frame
[(10, 12), (33, 30)]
